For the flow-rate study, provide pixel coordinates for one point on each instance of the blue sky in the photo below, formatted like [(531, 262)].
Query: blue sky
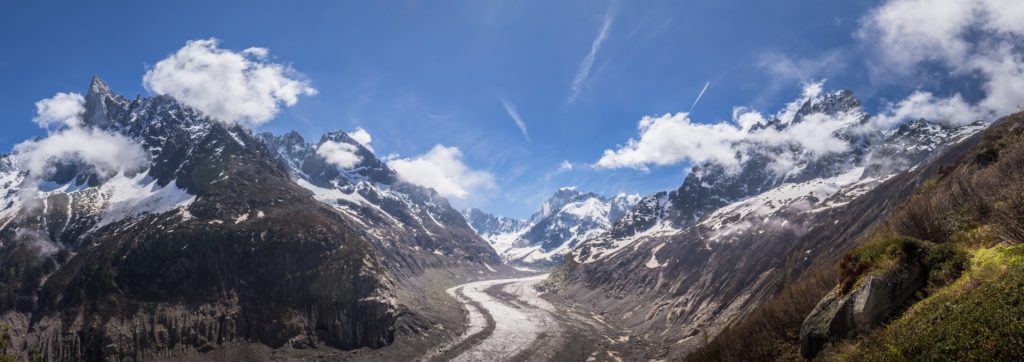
[(415, 74)]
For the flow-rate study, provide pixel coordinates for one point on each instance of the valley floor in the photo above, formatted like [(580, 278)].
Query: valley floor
[(502, 318), (509, 320)]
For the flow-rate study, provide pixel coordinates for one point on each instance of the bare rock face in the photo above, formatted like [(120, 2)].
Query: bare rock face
[(863, 308)]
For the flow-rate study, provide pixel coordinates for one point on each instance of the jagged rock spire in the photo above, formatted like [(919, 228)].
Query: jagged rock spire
[(95, 105), (98, 86)]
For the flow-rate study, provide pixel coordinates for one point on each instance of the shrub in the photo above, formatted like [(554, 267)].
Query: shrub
[(6, 355), (772, 330), (978, 318), (876, 256)]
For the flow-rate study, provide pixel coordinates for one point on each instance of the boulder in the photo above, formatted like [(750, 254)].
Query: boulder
[(863, 308)]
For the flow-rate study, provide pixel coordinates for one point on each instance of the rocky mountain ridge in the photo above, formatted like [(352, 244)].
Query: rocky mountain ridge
[(220, 239), (682, 264)]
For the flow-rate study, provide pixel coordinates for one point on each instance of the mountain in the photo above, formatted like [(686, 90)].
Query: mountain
[(223, 238), (682, 265), (494, 229), (941, 271), (413, 226), (566, 220)]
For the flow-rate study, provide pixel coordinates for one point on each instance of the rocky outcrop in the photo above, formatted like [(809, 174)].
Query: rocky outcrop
[(863, 308)]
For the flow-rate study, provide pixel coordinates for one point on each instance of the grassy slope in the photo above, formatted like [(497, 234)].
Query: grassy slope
[(978, 317), (974, 207)]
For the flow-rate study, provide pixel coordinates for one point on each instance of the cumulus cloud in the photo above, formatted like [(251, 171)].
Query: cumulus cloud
[(443, 170), (565, 166), (106, 152), (340, 154), (952, 110), (61, 110), (231, 87), (514, 114), (674, 138), (363, 137), (103, 152), (815, 134), (968, 37), (583, 73)]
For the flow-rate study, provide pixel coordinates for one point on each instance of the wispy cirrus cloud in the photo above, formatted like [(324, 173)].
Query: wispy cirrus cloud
[(583, 73), (513, 113)]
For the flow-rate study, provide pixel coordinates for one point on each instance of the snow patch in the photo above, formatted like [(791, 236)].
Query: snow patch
[(129, 197), (653, 262)]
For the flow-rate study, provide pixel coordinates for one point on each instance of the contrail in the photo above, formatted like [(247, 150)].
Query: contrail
[(701, 94), (514, 114)]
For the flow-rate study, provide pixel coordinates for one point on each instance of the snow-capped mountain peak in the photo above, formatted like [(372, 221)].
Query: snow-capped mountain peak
[(564, 221)]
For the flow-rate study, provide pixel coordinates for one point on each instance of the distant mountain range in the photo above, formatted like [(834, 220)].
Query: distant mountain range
[(565, 221)]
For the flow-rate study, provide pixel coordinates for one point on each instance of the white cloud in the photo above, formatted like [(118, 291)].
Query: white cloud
[(340, 154), (810, 90), (443, 170), (363, 137), (62, 110), (257, 52), (514, 114), (911, 31), (565, 166), (1004, 90), (583, 73), (814, 134), (231, 87), (952, 110), (106, 152), (674, 138), (967, 37), (747, 118)]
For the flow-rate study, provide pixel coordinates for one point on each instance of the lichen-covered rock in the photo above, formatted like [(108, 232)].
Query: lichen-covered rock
[(863, 308)]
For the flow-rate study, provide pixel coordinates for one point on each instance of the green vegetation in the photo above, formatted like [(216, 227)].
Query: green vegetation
[(980, 317), (966, 227), (6, 353), (944, 262), (975, 208), (772, 330)]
